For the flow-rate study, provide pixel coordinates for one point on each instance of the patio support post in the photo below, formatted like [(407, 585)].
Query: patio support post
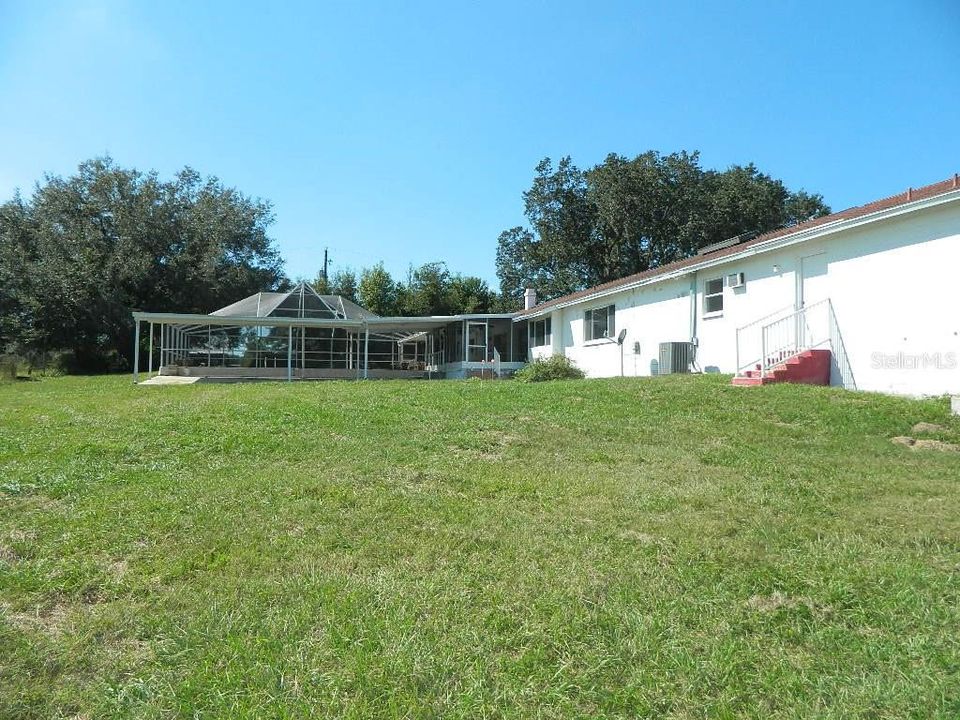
[(136, 352), (150, 352), (209, 350), (289, 353), (366, 352)]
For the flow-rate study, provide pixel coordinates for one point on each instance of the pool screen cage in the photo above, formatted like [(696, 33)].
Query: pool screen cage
[(302, 334)]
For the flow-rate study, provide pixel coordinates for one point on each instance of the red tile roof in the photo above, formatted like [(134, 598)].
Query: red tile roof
[(910, 195)]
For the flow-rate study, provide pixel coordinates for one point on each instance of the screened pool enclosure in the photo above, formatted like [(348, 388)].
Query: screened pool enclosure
[(301, 334)]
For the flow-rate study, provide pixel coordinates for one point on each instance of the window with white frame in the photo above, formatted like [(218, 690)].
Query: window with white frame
[(713, 296), (540, 332), (599, 323)]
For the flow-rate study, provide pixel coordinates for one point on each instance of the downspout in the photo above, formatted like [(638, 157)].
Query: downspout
[(693, 311), (694, 340)]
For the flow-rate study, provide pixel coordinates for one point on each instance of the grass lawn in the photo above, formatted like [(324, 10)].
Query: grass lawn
[(673, 547)]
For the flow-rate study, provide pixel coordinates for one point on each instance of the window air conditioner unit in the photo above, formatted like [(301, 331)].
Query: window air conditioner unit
[(736, 280)]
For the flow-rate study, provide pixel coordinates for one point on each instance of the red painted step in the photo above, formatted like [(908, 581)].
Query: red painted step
[(811, 367)]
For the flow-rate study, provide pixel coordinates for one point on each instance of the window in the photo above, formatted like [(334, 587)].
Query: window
[(713, 296), (540, 332), (599, 323)]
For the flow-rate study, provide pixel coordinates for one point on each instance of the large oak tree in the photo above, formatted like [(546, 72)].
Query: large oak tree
[(627, 215), (82, 252)]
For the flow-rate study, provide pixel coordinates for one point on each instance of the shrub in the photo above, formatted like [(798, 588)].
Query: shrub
[(556, 367)]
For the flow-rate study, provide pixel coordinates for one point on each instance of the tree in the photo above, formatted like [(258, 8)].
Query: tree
[(344, 283), (469, 294), (625, 215), (426, 291), (96, 245), (18, 309), (321, 284), (648, 211), (377, 291), (516, 264), (430, 289), (802, 206)]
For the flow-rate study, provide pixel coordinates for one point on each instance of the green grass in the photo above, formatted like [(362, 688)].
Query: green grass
[(617, 548)]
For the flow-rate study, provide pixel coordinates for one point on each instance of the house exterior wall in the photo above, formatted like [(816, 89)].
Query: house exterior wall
[(650, 314), (893, 284)]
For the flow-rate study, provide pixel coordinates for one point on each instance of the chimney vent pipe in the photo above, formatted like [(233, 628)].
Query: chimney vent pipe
[(529, 298)]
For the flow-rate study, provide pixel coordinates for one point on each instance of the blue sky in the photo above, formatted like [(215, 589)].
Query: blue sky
[(407, 131)]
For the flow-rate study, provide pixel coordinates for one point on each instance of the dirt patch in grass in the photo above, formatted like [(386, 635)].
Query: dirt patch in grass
[(780, 601), (117, 569), (8, 554), (641, 538), (475, 454), (925, 444), (48, 619), (936, 445), (489, 446), (22, 535), (925, 427)]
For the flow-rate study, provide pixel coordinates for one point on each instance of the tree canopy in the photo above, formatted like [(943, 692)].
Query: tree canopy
[(430, 289), (627, 215), (82, 252)]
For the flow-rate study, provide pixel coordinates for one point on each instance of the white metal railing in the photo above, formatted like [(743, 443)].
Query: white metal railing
[(803, 329), (748, 337), (840, 360)]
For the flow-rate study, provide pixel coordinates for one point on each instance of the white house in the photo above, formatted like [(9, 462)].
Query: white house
[(876, 285)]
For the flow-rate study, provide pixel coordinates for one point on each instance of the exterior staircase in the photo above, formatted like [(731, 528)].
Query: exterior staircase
[(809, 367), (793, 345)]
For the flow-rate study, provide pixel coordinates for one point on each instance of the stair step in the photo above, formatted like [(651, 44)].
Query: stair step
[(810, 367)]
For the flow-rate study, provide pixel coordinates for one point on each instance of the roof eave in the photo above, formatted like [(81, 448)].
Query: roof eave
[(757, 249), (248, 321)]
